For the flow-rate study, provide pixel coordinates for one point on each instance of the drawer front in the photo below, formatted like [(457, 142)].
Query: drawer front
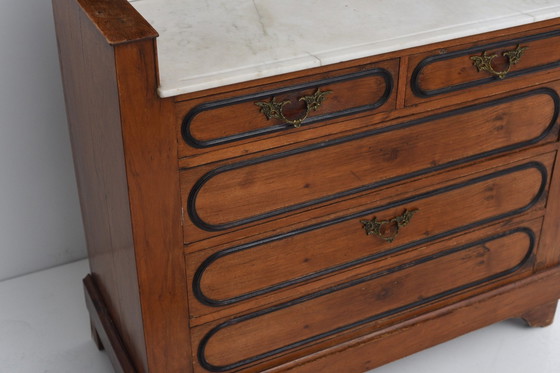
[(259, 268), (273, 110), (473, 68), (238, 118), (440, 272), (245, 192)]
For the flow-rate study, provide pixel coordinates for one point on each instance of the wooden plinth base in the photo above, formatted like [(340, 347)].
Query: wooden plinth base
[(534, 299), (103, 330)]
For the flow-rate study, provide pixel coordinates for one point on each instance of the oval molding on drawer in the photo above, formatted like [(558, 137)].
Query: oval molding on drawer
[(448, 70), (259, 188), (229, 276), (265, 333), (350, 100)]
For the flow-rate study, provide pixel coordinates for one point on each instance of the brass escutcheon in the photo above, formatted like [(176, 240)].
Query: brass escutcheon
[(377, 227), (273, 109), (484, 62)]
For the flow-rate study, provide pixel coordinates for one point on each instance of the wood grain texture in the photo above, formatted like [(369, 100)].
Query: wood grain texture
[(447, 73), (239, 118), (117, 20), (549, 250), (435, 327), (283, 182), (153, 190), (311, 250), (278, 261), (541, 316), (362, 301), (104, 331), (91, 95), (300, 137), (468, 249), (379, 196)]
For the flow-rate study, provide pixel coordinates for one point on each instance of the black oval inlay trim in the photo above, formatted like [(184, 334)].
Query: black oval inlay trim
[(196, 143), (191, 201), (197, 278), (418, 91), (222, 368)]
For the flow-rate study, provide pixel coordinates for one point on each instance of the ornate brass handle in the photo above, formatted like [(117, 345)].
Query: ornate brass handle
[(273, 109), (484, 62), (387, 229)]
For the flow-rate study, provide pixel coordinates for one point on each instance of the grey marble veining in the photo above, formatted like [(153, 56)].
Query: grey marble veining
[(206, 44)]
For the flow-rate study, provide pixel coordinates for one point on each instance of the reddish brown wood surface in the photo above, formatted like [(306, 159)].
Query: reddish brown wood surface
[(317, 250), (239, 118), (153, 189), (416, 334), (268, 187), (549, 250), (104, 331), (338, 244), (302, 136), (117, 20), (450, 72), (541, 316), (298, 322), (379, 196), (205, 314), (459, 70), (128, 161), (91, 95)]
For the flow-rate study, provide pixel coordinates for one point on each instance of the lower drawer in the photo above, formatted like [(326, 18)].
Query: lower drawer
[(428, 275)]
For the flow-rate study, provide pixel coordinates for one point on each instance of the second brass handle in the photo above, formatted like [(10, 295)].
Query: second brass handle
[(273, 109), (375, 227), (484, 62)]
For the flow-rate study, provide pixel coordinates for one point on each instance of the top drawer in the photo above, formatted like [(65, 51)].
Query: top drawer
[(239, 117), (481, 69)]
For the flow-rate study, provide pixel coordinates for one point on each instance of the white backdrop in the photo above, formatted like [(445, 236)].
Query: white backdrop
[(40, 222)]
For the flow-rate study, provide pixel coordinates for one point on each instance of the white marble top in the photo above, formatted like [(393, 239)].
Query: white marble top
[(209, 43)]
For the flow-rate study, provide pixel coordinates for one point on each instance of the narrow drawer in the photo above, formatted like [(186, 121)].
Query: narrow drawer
[(264, 267), (242, 193), (212, 122), (439, 272), (482, 68)]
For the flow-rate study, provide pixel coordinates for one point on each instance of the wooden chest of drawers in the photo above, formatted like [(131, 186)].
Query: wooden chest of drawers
[(326, 220)]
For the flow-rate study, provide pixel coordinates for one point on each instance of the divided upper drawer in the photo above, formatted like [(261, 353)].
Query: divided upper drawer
[(237, 118), (243, 193), (483, 68)]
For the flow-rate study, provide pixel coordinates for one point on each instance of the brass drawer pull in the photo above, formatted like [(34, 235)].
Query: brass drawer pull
[(484, 62), (387, 229), (273, 109)]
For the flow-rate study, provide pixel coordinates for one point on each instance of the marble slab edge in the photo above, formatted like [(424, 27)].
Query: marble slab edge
[(277, 67)]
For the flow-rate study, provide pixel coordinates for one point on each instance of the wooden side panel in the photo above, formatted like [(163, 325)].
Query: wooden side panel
[(117, 20), (89, 79), (152, 169)]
